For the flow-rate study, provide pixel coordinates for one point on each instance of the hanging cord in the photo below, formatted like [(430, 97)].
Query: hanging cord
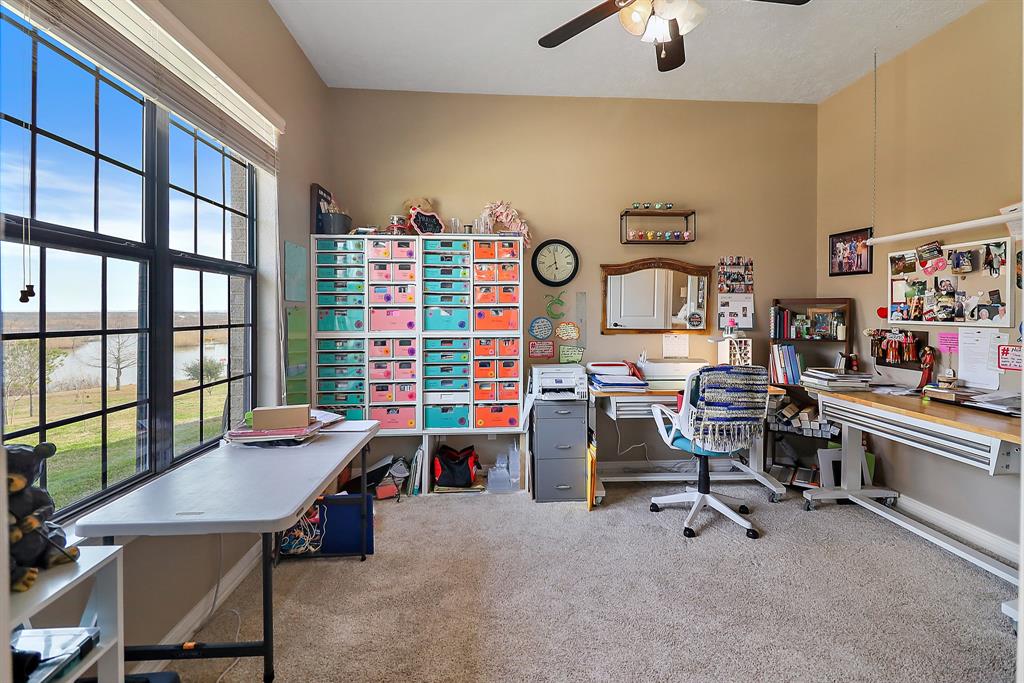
[(874, 146), (26, 224)]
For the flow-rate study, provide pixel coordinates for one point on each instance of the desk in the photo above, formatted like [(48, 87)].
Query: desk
[(231, 489), (632, 405), (988, 441)]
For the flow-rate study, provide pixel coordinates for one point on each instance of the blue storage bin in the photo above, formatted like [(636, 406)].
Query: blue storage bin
[(339, 245), (443, 318), (446, 371), (458, 343), (341, 399), (340, 371), (446, 273), (331, 259), (446, 417), (340, 344), (446, 245), (446, 286), (446, 300), (354, 413), (446, 357), (445, 384), (343, 358), (339, 299), (446, 259), (340, 320), (332, 385)]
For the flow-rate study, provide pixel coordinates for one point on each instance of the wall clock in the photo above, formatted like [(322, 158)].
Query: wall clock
[(555, 262)]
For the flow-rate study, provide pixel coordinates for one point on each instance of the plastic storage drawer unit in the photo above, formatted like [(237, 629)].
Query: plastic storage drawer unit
[(446, 417)]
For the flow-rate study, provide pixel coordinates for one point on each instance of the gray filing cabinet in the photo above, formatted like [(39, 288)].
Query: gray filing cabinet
[(559, 445)]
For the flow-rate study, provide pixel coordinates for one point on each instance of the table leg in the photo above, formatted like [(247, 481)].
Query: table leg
[(853, 474), (363, 512), (268, 607)]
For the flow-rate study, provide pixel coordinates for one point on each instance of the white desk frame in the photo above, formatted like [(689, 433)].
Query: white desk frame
[(232, 489)]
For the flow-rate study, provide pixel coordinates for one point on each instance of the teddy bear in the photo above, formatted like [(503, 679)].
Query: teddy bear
[(422, 216), (35, 541)]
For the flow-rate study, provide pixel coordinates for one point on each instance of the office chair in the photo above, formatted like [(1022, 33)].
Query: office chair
[(723, 411)]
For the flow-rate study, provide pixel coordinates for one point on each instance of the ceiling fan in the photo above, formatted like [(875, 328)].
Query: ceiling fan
[(662, 22)]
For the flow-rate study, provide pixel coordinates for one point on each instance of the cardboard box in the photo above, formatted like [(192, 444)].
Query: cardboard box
[(280, 417)]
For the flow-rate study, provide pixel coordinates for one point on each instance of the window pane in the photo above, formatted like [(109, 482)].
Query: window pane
[(239, 347), (238, 237), (123, 368), (73, 290), (125, 279), (65, 98), (237, 185), (75, 471), (15, 72), (64, 178), (120, 202), (215, 411), (181, 222), (186, 297), (187, 360), (182, 158), (215, 299), (120, 126), (209, 174), (127, 444), (15, 160), (239, 299), (239, 401), (73, 376), (215, 355), (210, 237), (186, 422), (21, 384), (18, 316)]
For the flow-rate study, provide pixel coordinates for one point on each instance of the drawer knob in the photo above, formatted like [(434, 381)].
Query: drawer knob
[(563, 447), (561, 412), (563, 487)]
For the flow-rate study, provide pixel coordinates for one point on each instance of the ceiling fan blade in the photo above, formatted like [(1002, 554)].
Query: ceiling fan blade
[(671, 55), (582, 22), (785, 2)]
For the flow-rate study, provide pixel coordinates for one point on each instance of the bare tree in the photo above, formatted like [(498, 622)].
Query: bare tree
[(21, 372), (121, 355)]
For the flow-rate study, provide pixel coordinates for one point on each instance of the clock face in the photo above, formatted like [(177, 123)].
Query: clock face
[(555, 262)]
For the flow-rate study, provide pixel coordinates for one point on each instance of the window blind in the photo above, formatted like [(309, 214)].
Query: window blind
[(124, 39)]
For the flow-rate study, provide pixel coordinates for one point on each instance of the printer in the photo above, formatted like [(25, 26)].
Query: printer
[(559, 382), (668, 373)]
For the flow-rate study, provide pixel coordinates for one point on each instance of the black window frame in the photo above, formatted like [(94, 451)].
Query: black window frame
[(159, 260)]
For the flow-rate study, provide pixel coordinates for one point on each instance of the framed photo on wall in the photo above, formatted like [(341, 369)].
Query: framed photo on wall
[(849, 252)]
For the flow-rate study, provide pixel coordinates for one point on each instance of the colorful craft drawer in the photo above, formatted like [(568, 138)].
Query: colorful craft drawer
[(485, 272), (485, 391), (446, 299), (342, 358), (405, 369), (341, 399), (484, 250), (394, 417), (446, 259), (445, 273), (381, 294), (446, 286), (380, 249), (508, 294), (340, 371), (508, 369), (508, 272), (497, 416), (458, 343), (445, 384), (446, 245), (340, 385), (446, 357), (382, 393), (508, 391), (446, 417), (381, 348), (340, 286), (340, 344), (446, 397), (392, 319), (508, 347), (340, 319), (508, 249), (380, 272), (339, 245), (497, 319), (339, 299), (404, 249), (354, 414), (339, 259), (484, 369), (485, 347), (405, 391), (381, 369), (403, 272), (486, 294), (339, 273), (444, 318), (405, 348), (404, 294), (446, 371)]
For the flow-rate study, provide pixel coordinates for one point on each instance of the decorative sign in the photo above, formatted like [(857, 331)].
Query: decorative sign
[(540, 328), (1010, 357), (949, 342), (570, 354), (568, 331), (555, 301), (542, 349)]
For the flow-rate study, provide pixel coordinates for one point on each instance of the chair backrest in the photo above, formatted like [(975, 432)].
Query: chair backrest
[(732, 402)]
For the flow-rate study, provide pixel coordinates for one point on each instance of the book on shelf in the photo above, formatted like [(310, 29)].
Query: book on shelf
[(786, 325), (785, 364)]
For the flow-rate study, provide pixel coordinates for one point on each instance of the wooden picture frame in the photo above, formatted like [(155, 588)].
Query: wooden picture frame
[(843, 261)]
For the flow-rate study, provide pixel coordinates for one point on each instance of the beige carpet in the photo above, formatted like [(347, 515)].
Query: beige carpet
[(498, 588)]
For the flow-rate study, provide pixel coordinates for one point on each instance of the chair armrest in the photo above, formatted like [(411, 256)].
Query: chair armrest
[(660, 412)]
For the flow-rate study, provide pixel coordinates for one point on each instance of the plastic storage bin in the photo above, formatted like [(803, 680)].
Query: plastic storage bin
[(508, 294), (484, 250), (340, 371), (330, 385), (508, 249), (403, 272), (445, 245), (446, 417), (508, 272), (339, 245), (381, 348), (486, 294), (485, 347), (446, 343), (508, 346), (446, 286), (484, 369), (394, 417), (405, 369), (404, 294), (380, 249), (381, 369), (497, 416), (508, 369), (446, 259), (381, 294), (446, 300), (340, 358), (446, 397), (340, 344), (340, 320), (354, 413), (340, 300), (446, 371), (392, 319), (403, 249), (447, 357), (445, 273), (485, 272), (508, 391), (382, 393), (405, 391), (405, 348), (341, 399), (441, 318), (485, 391), (445, 384), (497, 319), (380, 272), (340, 286)]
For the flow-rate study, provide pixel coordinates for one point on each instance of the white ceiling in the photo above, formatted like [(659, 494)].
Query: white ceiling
[(744, 51)]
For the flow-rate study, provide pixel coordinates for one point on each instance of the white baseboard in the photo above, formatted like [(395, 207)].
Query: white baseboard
[(190, 623), (975, 535)]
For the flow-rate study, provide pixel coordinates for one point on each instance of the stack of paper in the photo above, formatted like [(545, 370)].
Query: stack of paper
[(834, 379), (618, 383), (295, 434), (1007, 402)]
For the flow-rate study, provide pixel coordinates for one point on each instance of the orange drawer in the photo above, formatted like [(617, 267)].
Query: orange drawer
[(508, 294), (487, 294), (497, 319), (508, 369), (484, 347), (485, 391), (485, 272), (484, 369), (497, 416), (508, 272), (508, 391), (508, 347), (507, 249), (484, 250)]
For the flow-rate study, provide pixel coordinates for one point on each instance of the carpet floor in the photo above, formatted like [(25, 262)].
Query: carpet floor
[(498, 588)]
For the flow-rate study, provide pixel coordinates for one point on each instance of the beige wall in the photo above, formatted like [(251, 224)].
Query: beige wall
[(949, 149)]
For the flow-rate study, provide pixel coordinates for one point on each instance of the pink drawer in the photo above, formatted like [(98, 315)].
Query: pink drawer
[(392, 319), (382, 393), (381, 294), (381, 369), (394, 417), (405, 391), (380, 272), (403, 272), (380, 248), (405, 348), (381, 348), (405, 369), (404, 294), (403, 249)]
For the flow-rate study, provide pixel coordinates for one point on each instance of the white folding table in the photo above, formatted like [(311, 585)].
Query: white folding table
[(233, 489)]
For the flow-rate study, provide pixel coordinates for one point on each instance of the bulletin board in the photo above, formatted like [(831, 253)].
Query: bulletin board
[(968, 285)]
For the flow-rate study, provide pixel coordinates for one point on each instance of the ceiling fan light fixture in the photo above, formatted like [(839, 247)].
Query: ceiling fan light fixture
[(687, 13), (634, 16), (657, 30)]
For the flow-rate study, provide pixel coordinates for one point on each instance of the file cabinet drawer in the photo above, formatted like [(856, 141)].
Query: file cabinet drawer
[(557, 439), (560, 480)]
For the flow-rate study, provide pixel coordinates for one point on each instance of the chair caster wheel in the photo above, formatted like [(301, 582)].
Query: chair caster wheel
[(889, 502), (689, 533), (752, 533), (808, 505), (655, 508), (775, 497), (743, 510)]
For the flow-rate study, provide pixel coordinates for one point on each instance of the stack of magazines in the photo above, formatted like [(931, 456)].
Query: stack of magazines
[(835, 379), (618, 383)]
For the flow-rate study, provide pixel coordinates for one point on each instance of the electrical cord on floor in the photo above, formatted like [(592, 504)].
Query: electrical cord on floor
[(213, 605), (238, 633)]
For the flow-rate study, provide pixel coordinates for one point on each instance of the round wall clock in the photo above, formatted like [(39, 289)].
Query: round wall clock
[(555, 262)]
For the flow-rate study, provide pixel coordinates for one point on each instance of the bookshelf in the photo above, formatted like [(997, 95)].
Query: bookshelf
[(816, 327)]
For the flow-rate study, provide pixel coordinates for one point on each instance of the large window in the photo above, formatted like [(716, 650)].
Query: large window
[(137, 232)]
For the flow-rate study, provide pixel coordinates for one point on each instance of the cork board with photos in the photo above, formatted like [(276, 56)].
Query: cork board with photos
[(968, 284)]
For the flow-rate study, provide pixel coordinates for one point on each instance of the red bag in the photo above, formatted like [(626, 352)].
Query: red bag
[(455, 468)]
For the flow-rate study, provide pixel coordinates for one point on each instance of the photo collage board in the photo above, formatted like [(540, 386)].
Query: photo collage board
[(968, 284)]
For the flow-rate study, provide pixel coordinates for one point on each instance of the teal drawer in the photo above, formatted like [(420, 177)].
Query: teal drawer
[(446, 259), (445, 299), (354, 413), (339, 259), (340, 320), (340, 344), (446, 417), (339, 245), (446, 287), (340, 286), (446, 371), (446, 357), (436, 318), (446, 245), (341, 385), (447, 344), (339, 299), (446, 273), (340, 371), (340, 399), (342, 273), (343, 358), (445, 384)]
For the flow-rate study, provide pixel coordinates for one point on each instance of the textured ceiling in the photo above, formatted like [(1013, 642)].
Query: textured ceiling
[(746, 51)]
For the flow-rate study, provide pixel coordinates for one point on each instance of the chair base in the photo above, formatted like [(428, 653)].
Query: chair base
[(699, 501)]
